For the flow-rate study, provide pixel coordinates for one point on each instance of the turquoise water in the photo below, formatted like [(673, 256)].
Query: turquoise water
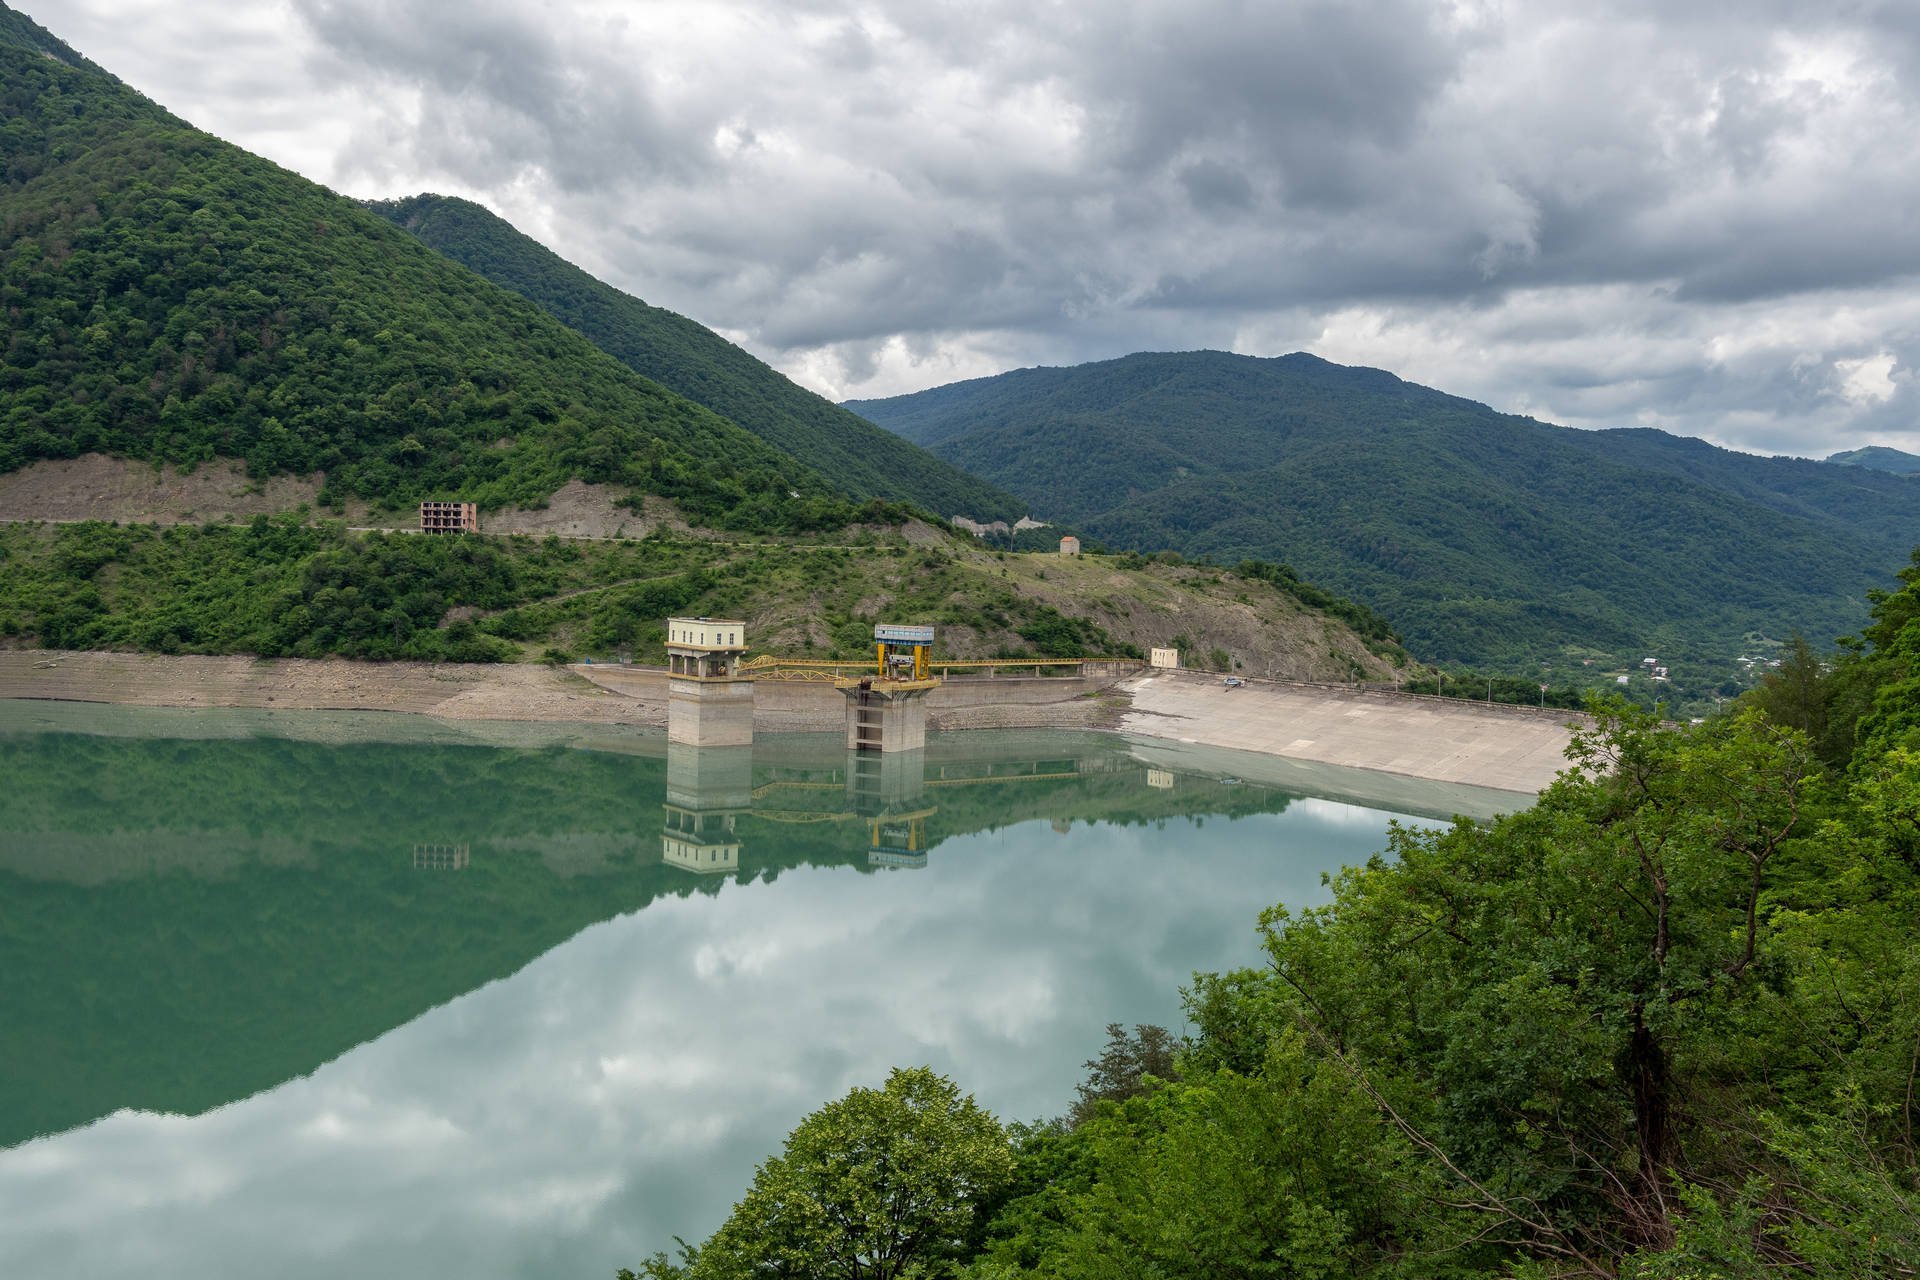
[(310, 995)]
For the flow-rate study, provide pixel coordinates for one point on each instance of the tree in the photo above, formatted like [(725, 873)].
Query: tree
[(882, 1183), (1795, 693), (1121, 1070), (1551, 1004)]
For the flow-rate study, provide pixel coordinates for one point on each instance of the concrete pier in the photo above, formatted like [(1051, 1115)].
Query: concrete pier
[(709, 712), (887, 716)]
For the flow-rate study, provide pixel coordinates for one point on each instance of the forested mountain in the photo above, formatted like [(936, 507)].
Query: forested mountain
[(691, 359), (1482, 536), (1879, 458), (171, 297)]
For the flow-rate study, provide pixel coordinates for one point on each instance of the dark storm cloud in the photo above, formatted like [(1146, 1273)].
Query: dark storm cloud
[(1700, 216), (1306, 91)]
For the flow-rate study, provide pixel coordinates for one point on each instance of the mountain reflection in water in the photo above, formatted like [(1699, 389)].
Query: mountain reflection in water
[(515, 1006)]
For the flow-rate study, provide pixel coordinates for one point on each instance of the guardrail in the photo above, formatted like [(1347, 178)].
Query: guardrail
[(768, 666)]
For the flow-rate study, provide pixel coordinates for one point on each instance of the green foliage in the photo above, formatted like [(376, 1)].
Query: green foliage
[(1879, 458), (1866, 694), (172, 298), (1486, 538), (1124, 1068), (1366, 622), (1634, 1030), (1661, 1025), (1793, 693), (1477, 686), (277, 588), (858, 458), (882, 1183), (1055, 635)]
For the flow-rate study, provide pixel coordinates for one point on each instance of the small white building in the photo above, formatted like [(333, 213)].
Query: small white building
[(705, 648), (706, 633), (1069, 546), (1168, 658)]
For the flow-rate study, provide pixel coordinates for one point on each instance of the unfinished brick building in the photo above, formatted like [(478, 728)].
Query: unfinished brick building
[(449, 517)]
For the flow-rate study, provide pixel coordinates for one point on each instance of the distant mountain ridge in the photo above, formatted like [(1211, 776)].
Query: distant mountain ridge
[(696, 362), (1879, 458), (1483, 536)]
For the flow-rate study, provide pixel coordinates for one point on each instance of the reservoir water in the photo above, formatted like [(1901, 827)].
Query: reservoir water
[(311, 995)]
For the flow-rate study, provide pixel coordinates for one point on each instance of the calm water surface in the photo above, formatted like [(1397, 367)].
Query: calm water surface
[(351, 995)]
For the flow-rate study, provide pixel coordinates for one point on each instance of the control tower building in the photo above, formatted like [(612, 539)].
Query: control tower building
[(709, 703)]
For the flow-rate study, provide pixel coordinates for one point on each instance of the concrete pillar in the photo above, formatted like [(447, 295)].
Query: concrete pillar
[(883, 719), (709, 712)]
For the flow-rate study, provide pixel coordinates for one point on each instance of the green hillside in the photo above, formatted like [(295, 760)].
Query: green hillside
[(276, 587), (1879, 458), (172, 298), (1484, 537), (691, 359)]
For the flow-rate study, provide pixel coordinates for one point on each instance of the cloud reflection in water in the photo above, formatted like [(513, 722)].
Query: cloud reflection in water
[(621, 1088)]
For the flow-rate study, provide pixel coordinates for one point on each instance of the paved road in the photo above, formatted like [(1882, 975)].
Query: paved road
[(498, 533)]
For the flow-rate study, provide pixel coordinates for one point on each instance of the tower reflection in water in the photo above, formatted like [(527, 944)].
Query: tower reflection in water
[(710, 788), (888, 789)]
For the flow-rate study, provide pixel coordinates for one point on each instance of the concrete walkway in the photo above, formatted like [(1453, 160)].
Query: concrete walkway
[(1514, 749)]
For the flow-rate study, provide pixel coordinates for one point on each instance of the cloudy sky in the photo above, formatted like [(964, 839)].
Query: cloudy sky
[(1693, 215)]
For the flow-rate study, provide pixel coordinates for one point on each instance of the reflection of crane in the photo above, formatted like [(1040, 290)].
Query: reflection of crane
[(888, 794), (898, 839)]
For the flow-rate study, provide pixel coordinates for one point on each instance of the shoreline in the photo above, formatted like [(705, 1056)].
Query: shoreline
[(1514, 750)]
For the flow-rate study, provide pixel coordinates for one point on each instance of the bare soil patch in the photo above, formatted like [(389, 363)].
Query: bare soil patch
[(96, 487), (581, 510)]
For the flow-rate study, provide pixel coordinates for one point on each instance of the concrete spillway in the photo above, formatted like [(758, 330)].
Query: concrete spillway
[(1504, 748)]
